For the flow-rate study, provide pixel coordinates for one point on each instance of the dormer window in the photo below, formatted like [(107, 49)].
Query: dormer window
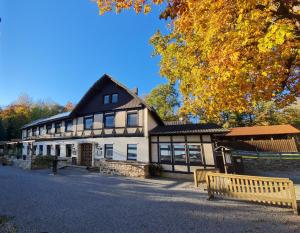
[(114, 98), (106, 99)]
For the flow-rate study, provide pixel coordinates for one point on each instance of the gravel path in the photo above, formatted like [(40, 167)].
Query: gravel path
[(78, 201)]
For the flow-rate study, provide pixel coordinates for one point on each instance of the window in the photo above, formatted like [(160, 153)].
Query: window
[(28, 132), (34, 150), (179, 153), (57, 127), (48, 149), (41, 149), (41, 128), (57, 150), (132, 119), (109, 120), (48, 128), (68, 150), (108, 153), (195, 153), (114, 98), (88, 122), (68, 125), (131, 151), (34, 132), (106, 99), (165, 153)]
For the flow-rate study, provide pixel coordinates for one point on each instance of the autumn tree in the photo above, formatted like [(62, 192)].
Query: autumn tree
[(69, 107), (22, 111), (265, 113), (226, 55), (164, 99)]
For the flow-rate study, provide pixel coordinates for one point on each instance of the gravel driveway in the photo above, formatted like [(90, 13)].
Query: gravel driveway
[(78, 201)]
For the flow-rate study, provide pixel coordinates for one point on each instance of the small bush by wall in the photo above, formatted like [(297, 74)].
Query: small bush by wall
[(4, 161), (41, 162)]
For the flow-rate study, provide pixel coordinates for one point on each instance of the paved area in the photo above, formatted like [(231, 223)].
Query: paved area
[(78, 201)]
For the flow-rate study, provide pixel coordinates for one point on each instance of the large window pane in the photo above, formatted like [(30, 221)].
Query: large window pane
[(106, 99), (57, 150), (88, 122), (68, 125), (68, 150), (48, 149), (41, 129), (132, 119), (179, 153), (34, 131), (165, 153), (195, 153), (131, 151), (108, 153), (57, 127), (109, 120), (41, 149), (48, 129), (114, 98)]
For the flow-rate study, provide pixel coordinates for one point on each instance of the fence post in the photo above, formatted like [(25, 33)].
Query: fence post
[(195, 178), (293, 196), (210, 195)]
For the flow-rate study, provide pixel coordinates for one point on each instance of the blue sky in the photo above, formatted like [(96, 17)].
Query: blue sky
[(56, 49)]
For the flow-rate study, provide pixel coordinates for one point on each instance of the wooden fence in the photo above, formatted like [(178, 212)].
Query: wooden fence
[(200, 175), (276, 191)]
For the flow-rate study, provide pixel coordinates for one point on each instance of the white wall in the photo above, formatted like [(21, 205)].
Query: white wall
[(119, 146)]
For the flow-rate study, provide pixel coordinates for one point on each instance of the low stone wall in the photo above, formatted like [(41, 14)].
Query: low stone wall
[(123, 168), (24, 164), (253, 165)]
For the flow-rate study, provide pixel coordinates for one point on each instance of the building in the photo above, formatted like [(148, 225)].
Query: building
[(112, 122), (272, 138)]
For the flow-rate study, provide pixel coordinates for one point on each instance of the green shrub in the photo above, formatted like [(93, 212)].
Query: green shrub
[(42, 162), (155, 169), (4, 161)]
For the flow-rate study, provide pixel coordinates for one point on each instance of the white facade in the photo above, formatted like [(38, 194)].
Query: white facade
[(120, 145)]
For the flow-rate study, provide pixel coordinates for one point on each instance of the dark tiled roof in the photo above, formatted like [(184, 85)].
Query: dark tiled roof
[(187, 129)]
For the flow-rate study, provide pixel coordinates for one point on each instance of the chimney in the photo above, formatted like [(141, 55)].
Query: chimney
[(135, 91)]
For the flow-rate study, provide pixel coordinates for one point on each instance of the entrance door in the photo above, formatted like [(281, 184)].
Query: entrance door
[(86, 154)]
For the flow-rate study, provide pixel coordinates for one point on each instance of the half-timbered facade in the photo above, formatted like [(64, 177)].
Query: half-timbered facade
[(112, 122)]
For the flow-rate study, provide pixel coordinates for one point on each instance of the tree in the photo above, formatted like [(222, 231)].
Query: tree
[(22, 111), (227, 55), (164, 99), (265, 113), (69, 107), (2, 130)]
